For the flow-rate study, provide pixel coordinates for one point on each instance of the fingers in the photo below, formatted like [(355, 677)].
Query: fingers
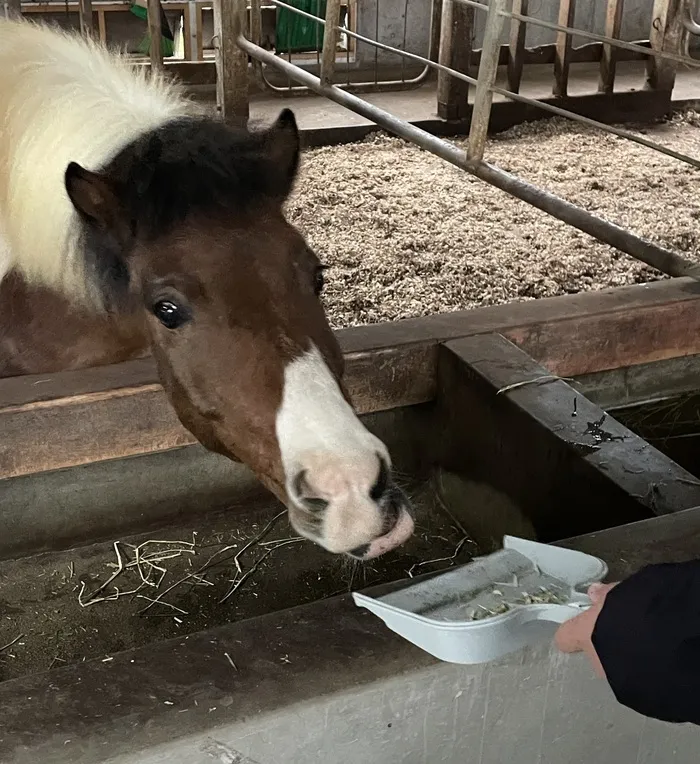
[(598, 592)]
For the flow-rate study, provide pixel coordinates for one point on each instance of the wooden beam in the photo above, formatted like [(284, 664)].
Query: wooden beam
[(155, 32), (516, 46), (231, 61), (562, 60), (608, 60), (488, 69), (665, 35), (86, 21), (123, 411), (456, 29), (569, 464)]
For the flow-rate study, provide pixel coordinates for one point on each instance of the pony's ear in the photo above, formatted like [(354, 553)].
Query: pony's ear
[(94, 197), (282, 154)]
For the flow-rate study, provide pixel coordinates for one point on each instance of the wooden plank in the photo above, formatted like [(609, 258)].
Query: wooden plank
[(123, 410), (569, 464), (156, 32), (611, 342), (665, 34), (102, 26), (608, 60), (456, 29), (435, 29), (516, 46), (330, 42), (562, 59), (231, 61), (488, 68)]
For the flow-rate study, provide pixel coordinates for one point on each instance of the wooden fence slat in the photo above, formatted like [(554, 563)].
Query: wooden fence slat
[(562, 59), (231, 62), (488, 68), (665, 34), (155, 30), (516, 46), (456, 29), (608, 59)]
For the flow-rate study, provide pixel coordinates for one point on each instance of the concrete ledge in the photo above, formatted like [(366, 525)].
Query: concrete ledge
[(365, 694)]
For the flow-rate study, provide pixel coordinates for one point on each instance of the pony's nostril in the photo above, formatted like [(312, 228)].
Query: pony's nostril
[(359, 552), (304, 494), (382, 483)]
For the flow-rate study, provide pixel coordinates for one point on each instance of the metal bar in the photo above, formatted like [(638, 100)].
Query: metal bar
[(488, 68), (85, 13), (666, 33), (155, 32), (662, 259), (608, 60), (516, 47), (231, 61), (645, 51), (455, 53), (12, 9), (562, 57), (330, 41)]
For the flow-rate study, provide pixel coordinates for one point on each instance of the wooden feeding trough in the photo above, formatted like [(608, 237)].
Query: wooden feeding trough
[(501, 420)]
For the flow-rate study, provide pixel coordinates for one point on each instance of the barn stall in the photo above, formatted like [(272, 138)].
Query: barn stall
[(569, 419)]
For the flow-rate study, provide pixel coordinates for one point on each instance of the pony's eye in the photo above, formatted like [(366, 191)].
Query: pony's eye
[(170, 314), (319, 280)]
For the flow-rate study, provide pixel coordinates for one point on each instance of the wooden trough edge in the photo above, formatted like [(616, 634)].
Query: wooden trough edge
[(56, 421)]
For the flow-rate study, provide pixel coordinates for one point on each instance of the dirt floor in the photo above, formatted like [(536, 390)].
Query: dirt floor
[(407, 234)]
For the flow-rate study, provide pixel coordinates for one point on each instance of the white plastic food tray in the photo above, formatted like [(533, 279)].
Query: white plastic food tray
[(492, 606)]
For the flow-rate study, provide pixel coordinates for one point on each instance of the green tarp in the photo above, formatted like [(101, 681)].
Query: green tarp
[(297, 34)]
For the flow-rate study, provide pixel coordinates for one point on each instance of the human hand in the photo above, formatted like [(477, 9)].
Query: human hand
[(574, 636)]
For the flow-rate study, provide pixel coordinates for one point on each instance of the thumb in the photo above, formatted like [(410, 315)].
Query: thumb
[(598, 592)]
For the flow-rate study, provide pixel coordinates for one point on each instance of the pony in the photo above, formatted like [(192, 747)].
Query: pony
[(130, 217)]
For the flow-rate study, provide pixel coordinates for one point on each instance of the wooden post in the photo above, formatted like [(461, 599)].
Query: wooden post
[(608, 61), (562, 58), (85, 11), (231, 61), (12, 9), (516, 46), (456, 29), (435, 23), (330, 42), (666, 35), (155, 32), (488, 67)]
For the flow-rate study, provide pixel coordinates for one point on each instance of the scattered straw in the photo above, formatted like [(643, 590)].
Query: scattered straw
[(231, 661), (14, 642), (542, 380), (451, 558)]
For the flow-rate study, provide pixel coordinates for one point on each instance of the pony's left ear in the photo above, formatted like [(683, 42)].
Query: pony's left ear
[(282, 153)]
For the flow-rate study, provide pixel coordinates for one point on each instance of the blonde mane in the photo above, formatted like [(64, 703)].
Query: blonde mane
[(63, 99)]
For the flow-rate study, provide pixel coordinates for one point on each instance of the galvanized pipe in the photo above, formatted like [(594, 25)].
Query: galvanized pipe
[(664, 260)]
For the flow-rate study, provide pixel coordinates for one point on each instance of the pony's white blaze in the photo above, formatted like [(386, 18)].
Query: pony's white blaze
[(320, 435), (62, 99)]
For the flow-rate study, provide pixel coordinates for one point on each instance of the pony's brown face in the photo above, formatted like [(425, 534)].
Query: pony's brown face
[(229, 291)]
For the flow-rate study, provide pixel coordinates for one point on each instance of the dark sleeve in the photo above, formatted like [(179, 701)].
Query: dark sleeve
[(647, 637)]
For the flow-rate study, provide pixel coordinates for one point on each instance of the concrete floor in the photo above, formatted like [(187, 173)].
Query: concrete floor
[(313, 112)]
